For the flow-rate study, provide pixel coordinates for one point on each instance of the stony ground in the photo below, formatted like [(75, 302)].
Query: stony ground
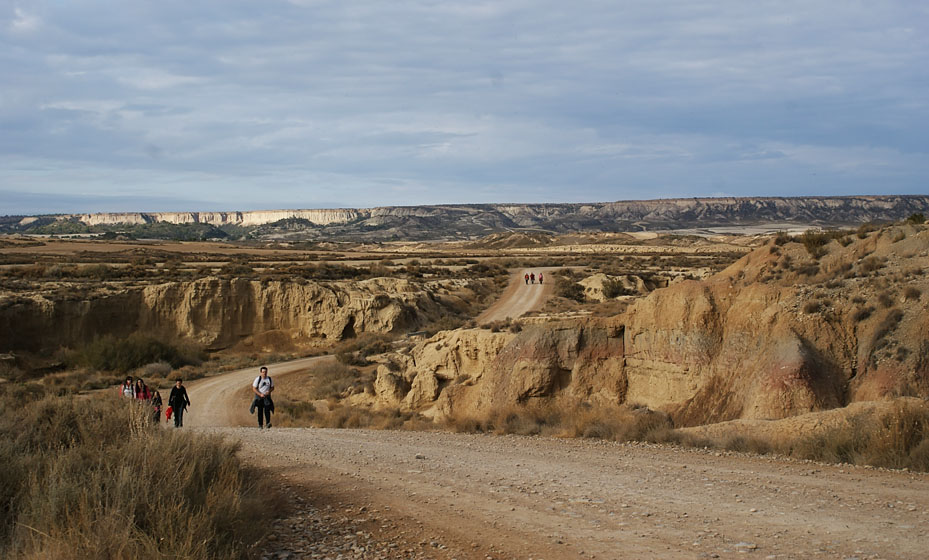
[(376, 494), (359, 494)]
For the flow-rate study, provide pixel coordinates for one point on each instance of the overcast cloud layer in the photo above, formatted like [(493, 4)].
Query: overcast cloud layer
[(236, 105)]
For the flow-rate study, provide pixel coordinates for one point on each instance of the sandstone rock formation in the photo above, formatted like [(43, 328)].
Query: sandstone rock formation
[(783, 331), (461, 221), (218, 313)]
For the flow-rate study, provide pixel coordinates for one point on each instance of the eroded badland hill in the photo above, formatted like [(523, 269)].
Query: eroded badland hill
[(800, 324), (702, 329), (455, 222)]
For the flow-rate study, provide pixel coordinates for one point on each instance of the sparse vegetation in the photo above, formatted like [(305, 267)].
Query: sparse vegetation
[(109, 353), (615, 423), (899, 439), (912, 293), (862, 313), (812, 306), (79, 479), (568, 288), (865, 229), (332, 380)]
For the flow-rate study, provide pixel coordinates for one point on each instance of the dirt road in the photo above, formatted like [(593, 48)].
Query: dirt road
[(443, 495), (379, 494), (520, 297)]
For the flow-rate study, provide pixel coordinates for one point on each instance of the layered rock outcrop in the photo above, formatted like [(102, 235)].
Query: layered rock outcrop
[(430, 222), (787, 329), (218, 313)]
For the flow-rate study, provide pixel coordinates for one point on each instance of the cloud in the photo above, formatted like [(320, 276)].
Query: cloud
[(412, 102), (24, 22)]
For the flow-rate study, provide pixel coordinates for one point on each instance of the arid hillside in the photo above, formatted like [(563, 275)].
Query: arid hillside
[(456, 222), (801, 324)]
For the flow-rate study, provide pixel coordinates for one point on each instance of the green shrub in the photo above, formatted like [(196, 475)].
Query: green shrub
[(815, 242), (614, 288), (569, 289), (917, 218), (109, 353)]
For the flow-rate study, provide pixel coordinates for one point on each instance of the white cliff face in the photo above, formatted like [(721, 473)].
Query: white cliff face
[(486, 218), (254, 218)]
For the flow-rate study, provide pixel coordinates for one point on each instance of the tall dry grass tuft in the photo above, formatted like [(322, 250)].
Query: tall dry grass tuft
[(898, 439), (615, 423), (92, 478)]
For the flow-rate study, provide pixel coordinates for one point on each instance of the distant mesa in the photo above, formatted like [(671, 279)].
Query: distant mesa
[(477, 220)]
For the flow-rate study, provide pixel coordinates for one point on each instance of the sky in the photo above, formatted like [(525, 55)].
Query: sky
[(246, 105)]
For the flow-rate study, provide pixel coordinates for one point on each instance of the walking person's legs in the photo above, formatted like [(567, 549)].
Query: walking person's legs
[(268, 416), (261, 414), (178, 417)]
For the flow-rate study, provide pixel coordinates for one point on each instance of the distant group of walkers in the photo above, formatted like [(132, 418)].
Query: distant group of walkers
[(178, 401), (530, 278)]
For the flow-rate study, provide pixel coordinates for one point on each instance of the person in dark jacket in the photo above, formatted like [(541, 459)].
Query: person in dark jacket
[(156, 406), (178, 401)]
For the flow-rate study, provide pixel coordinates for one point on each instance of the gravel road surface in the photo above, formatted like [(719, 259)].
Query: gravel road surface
[(394, 495)]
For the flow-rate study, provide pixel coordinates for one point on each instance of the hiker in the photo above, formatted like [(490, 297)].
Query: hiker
[(540, 278), (532, 278), (527, 278), (178, 401), (262, 387), (156, 407), (141, 390), (128, 389)]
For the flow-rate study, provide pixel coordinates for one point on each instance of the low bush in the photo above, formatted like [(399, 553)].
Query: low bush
[(615, 288), (912, 293), (569, 289), (865, 229), (815, 242), (356, 351), (93, 478), (347, 416), (335, 379), (899, 439), (110, 353), (813, 306), (862, 313), (614, 423), (871, 264)]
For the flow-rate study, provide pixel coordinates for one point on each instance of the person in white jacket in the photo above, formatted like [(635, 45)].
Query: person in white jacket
[(263, 386)]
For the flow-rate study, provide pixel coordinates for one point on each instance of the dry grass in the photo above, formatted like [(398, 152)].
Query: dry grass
[(303, 414), (899, 439), (93, 478), (615, 423)]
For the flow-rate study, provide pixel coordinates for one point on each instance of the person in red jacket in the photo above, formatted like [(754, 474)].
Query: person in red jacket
[(141, 390)]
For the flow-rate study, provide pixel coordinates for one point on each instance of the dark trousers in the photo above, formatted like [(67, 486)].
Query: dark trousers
[(264, 413), (178, 417)]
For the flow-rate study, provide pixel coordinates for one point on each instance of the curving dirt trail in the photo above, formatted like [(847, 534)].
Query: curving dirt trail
[(383, 494), (519, 297)]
